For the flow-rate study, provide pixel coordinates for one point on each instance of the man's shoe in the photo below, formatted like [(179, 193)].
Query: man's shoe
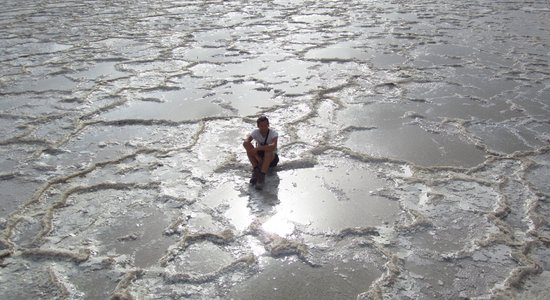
[(254, 177), (261, 181)]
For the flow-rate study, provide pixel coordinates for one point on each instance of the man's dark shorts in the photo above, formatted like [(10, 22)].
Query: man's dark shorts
[(275, 160)]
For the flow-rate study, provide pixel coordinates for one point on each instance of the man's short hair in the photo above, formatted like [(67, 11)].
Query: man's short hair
[(262, 119)]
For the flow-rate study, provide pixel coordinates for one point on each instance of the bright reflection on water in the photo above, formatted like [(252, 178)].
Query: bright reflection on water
[(279, 224)]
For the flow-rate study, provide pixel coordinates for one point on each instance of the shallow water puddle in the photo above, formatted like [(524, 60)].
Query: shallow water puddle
[(202, 258), (332, 200), (56, 83), (181, 105), (338, 52), (289, 279), (416, 146), (102, 71), (322, 199), (398, 133), (226, 197)]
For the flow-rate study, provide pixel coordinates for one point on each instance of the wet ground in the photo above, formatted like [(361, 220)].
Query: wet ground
[(414, 145)]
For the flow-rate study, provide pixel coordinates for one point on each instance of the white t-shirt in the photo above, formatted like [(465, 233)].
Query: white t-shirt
[(257, 136)]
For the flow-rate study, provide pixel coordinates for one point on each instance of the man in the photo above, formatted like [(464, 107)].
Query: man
[(264, 154)]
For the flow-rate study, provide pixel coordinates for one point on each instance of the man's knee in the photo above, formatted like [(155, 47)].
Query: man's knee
[(269, 155)]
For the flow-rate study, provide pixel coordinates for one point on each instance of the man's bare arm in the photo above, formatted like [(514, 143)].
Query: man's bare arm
[(269, 147)]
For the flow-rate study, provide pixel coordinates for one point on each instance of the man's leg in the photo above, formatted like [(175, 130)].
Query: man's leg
[(268, 158), (255, 161), (251, 153)]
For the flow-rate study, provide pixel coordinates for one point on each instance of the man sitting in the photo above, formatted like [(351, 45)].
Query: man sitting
[(264, 154)]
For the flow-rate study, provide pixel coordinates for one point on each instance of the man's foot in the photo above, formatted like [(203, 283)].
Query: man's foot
[(254, 177), (261, 180)]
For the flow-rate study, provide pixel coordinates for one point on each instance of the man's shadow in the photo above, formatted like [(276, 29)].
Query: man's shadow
[(266, 199)]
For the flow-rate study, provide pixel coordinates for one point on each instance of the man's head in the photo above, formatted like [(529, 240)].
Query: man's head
[(263, 124)]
